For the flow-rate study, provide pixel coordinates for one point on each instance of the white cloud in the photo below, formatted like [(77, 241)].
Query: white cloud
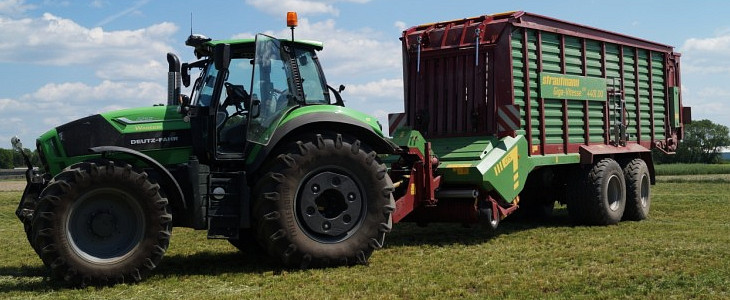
[(56, 103), (152, 70), (354, 54), (719, 44), (348, 55), (98, 3), (386, 88), (72, 93), (378, 98), (51, 40), (400, 25), (707, 56), (302, 7), (14, 7), (708, 102)]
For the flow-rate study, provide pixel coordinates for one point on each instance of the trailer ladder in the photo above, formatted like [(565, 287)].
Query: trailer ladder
[(617, 106)]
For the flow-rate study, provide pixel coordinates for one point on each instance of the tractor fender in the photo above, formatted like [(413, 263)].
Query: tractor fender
[(328, 122), (175, 195)]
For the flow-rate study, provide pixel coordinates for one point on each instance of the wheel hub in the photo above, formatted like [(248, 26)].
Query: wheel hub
[(330, 204), (614, 193), (103, 224)]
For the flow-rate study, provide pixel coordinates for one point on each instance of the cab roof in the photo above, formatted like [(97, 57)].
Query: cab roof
[(205, 49)]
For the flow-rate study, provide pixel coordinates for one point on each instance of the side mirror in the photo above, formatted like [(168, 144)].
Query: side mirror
[(17, 145), (222, 56), (185, 74), (340, 88), (184, 107)]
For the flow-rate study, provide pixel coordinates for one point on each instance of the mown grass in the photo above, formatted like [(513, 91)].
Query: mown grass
[(691, 169), (682, 251)]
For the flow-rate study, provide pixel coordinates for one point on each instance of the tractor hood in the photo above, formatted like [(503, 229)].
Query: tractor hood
[(143, 129)]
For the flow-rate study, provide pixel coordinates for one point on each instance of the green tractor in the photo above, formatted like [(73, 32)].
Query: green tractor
[(262, 152)]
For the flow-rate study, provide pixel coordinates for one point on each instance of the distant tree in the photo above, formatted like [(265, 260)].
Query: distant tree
[(6, 159), (702, 143), (18, 159)]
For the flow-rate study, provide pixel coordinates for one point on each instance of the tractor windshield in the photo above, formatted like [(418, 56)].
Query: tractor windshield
[(273, 90), (203, 88)]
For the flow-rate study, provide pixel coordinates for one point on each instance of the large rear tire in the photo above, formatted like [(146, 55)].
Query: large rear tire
[(247, 242), (598, 196), (324, 200), (101, 223), (638, 190)]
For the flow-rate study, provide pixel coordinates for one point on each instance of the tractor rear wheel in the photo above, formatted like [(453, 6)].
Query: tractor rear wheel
[(247, 242), (324, 200), (598, 196), (101, 223), (638, 190)]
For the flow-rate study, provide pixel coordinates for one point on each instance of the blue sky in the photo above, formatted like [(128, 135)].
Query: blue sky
[(62, 60)]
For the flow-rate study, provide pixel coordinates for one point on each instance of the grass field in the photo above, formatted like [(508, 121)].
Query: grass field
[(682, 251), (691, 169)]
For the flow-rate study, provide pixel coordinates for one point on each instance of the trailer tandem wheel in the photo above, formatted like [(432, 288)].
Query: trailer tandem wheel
[(638, 190), (597, 196)]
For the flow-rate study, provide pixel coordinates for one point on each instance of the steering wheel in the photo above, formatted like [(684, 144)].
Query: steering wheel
[(237, 96)]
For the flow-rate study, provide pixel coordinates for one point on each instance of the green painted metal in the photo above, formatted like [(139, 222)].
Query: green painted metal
[(405, 136), (555, 159), (499, 165), (473, 148), (205, 49), (146, 119), (310, 43), (638, 72), (674, 106), (126, 121), (659, 97), (303, 111), (369, 120)]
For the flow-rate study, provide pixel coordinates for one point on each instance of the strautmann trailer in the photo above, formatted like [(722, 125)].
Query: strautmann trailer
[(501, 112), (521, 110)]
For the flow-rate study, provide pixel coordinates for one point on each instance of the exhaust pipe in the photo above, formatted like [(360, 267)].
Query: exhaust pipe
[(174, 80), (458, 194)]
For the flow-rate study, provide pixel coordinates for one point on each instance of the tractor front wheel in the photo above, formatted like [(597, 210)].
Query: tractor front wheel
[(101, 223), (325, 200)]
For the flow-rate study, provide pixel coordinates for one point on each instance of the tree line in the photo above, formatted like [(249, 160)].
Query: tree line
[(703, 142), (10, 159)]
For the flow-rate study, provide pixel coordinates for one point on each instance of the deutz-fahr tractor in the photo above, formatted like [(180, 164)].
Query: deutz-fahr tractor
[(263, 151)]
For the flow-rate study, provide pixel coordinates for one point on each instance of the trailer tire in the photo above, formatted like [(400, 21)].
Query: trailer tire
[(101, 223), (324, 200), (638, 190), (598, 196)]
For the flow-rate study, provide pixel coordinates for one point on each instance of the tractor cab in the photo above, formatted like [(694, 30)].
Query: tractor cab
[(245, 88)]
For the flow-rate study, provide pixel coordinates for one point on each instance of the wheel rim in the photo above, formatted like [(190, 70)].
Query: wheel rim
[(644, 190), (614, 193), (105, 225), (330, 205)]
